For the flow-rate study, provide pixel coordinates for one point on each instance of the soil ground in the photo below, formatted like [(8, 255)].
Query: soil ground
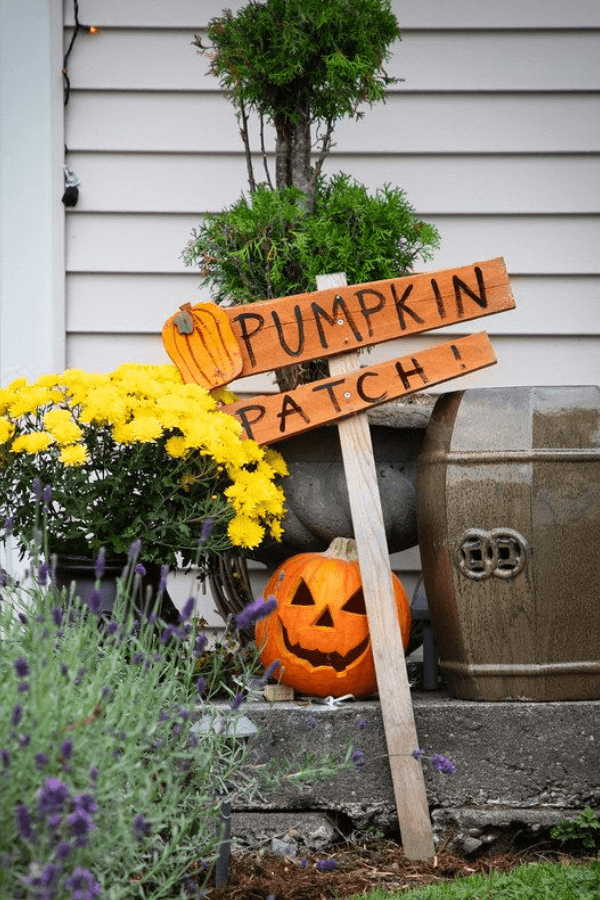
[(258, 875)]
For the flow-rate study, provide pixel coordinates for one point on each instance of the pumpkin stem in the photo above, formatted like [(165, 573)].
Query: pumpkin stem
[(184, 321), (342, 548)]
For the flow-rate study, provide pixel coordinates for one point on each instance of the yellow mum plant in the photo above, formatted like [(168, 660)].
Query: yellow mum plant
[(132, 455)]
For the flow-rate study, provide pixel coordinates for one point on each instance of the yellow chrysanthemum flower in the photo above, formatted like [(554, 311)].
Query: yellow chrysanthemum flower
[(104, 406), (49, 380), (145, 429), (274, 459), (275, 530), (245, 532), (224, 395), (74, 455), (62, 427), (122, 434), (7, 429), (28, 400), (175, 446), (35, 442)]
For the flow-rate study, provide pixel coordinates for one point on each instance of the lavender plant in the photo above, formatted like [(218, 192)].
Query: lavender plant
[(106, 788)]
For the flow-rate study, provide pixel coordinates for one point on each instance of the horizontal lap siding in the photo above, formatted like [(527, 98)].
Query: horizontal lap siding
[(494, 133)]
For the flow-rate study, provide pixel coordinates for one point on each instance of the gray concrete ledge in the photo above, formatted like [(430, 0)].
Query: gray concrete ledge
[(519, 765)]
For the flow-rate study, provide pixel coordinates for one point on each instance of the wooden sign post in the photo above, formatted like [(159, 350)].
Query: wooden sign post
[(211, 345), (386, 638)]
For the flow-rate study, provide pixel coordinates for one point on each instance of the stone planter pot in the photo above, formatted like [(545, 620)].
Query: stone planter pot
[(81, 570), (509, 531), (317, 494)]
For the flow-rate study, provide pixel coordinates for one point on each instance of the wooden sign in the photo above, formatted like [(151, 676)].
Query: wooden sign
[(273, 417), (275, 333), (337, 321)]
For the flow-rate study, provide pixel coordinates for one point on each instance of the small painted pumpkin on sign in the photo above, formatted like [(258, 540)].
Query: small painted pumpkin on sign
[(201, 343), (319, 630)]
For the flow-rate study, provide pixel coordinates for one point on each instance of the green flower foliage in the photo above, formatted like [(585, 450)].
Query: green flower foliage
[(265, 245), (283, 58)]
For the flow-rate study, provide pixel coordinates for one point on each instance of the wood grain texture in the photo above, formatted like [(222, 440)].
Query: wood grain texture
[(274, 417), (275, 333), (386, 639)]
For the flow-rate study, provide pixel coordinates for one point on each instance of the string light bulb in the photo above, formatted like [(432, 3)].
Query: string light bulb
[(93, 29)]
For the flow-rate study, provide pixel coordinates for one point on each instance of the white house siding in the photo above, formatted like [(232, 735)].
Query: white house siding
[(494, 133)]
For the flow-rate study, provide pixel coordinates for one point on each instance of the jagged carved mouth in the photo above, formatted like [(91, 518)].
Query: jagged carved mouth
[(316, 658)]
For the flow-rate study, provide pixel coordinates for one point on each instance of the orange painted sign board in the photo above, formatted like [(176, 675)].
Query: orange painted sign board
[(273, 417), (275, 333)]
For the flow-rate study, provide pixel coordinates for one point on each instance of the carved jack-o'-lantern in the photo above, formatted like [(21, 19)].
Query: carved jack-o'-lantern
[(319, 631)]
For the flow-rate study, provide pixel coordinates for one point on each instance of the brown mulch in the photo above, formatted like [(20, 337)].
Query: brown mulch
[(257, 875)]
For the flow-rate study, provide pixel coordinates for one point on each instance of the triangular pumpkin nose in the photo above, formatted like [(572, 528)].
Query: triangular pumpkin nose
[(325, 620)]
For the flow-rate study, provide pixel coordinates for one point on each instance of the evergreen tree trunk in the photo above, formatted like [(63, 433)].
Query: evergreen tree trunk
[(293, 168)]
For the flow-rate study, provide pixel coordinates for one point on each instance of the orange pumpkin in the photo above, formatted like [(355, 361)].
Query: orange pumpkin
[(200, 341), (319, 630)]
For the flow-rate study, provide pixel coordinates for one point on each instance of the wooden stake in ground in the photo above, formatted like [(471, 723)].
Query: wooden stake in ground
[(386, 638)]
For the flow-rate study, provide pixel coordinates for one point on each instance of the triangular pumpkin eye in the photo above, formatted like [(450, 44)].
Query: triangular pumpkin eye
[(303, 596), (356, 604)]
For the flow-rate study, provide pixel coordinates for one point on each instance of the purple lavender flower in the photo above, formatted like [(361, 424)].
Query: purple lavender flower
[(9, 524), (54, 820), (21, 667), (36, 487), (95, 601), (64, 669), (63, 849), (162, 586), (254, 611), (268, 673), (358, 758), (200, 684), (23, 822), (138, 658), (94, 773), (52, 796), (44, 573), (41, 760), (200, 644), (140, 827), (206, 530), (312, 723), (85, 802), (170, 632), (23, 686), (134, 550), (66, 749), (139, 569), (361, 725), (238, 700), (17, 715), (100, 563), (443, 764), (418, 753), (187, 610), (47, 495), (327, 865), (25, 740), (83, 885), (49, 877), (23, 618), (81, 824), (57, 616)]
